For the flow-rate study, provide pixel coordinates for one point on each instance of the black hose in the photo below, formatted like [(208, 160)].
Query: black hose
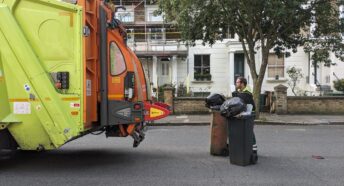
[(99, 133)]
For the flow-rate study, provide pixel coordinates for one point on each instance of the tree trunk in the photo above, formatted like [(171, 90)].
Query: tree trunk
[(259, 80), (256, 95), (293, 90)]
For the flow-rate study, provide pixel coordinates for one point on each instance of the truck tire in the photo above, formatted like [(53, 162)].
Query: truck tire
[(7, 141)]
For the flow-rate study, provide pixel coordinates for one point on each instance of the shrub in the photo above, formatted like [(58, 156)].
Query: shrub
[(339, 85)]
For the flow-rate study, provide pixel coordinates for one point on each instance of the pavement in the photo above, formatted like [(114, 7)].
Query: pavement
[(265, 119), (288, 155)]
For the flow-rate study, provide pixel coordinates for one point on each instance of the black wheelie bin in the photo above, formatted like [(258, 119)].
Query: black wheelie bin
[(240, 136), (240, 131)]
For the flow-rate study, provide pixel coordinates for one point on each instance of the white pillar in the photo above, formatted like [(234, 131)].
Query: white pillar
[(174, 70), (231, 85), (311, 74), (155, 72), (175, 73)]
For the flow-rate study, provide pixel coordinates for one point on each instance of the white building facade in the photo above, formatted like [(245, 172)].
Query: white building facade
[(227, 61), (211, 69)]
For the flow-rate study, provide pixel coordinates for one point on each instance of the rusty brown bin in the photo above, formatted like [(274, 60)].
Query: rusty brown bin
[(218, 136)]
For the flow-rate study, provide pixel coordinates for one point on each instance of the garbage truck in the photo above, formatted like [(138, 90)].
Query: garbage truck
[(65, 72)]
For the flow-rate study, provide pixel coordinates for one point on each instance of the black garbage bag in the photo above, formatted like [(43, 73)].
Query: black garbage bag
[(232, 107), (246, 97), (214, 100)]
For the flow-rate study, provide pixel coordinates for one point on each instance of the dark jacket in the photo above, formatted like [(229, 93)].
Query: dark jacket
[(246, 96)]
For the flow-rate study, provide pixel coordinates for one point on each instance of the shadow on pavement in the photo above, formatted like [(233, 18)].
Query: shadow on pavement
[(69, 160)]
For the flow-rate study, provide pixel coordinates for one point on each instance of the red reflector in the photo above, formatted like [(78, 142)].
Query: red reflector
[(137, 119), (137, 106)]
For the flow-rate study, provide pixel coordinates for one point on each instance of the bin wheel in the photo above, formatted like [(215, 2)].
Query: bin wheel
[(225, 152), (254, 158)]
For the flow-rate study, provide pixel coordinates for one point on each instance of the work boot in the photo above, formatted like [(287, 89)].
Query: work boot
[(254, 156)]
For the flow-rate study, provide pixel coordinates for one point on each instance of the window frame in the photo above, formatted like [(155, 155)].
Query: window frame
[(126, 17), (130, 35), (154, 18), (275, 66), (202, 67), (165, 69), (156, 32)]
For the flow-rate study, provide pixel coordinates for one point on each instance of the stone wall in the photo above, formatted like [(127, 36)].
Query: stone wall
[(189, 106), (315, 105)]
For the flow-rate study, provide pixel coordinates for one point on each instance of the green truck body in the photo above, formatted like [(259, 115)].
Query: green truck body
[(37, 39)]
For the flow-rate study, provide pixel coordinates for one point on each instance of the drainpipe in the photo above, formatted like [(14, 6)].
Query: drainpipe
[(315, 73)]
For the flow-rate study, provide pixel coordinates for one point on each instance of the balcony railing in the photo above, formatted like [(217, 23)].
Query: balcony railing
[(168, 46)]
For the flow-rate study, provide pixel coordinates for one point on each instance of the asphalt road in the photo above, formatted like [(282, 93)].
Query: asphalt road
[(180, 156)]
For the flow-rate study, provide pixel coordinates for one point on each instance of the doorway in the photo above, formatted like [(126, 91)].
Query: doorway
[(239, 65), (164, 71)]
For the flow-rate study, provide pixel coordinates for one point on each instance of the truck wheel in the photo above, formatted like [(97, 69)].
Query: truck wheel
[(7, 154)]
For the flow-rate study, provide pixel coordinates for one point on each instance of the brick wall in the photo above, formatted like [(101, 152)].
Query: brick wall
[(296, 105), (189, 106), (315, 105)]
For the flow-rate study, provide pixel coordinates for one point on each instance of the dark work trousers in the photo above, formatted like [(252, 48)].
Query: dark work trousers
[(255, 148)]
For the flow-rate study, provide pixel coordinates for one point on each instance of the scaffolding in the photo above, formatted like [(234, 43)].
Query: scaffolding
[(146, 28)]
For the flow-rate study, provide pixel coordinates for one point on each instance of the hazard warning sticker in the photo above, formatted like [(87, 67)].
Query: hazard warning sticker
[(75, 105), (21, 108)]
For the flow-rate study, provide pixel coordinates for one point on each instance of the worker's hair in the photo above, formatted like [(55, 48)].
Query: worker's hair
[(242, 80)]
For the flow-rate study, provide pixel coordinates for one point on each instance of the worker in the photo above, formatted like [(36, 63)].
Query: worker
[(243, 92)]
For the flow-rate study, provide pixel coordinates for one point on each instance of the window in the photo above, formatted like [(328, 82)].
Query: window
[(139, 37), (275, 66), (202, 67), (156, 33), (154, 18), (117, 63), (172, 34), (328, 79), (125, 17), (165, 69), (228, 34), (130, 35)]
